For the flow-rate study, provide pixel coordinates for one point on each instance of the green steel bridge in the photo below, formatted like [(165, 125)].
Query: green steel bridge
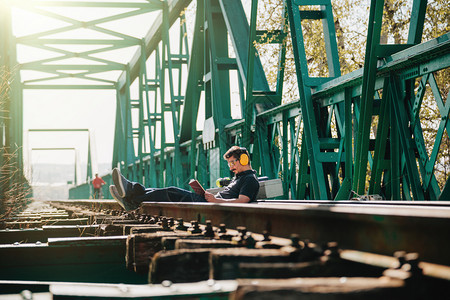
[(323, 145)]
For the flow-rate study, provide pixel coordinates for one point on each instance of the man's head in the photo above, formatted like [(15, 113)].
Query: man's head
[(238, 159)]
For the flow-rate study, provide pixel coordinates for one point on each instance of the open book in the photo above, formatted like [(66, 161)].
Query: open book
[(197, 187)]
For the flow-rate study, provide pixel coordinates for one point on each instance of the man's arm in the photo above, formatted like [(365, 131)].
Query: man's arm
[(241, 199)]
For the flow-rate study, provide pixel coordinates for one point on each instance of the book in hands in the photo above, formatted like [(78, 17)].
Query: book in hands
[(197, 187)]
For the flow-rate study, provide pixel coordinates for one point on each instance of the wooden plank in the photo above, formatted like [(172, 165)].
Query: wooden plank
[(86, 259), (186, 265), (365, 226), (32, 235), (322, 288), (140, 248), (198, 244), (225, 262)]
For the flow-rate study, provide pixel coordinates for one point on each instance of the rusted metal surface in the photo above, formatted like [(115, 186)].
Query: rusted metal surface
[(381, 229), (429, 269), (142, 247), (309, 250), (322, 288), (32, 235), (209, 289), (79, 259)]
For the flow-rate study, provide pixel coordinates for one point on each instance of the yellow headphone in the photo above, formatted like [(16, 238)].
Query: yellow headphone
[(243, 158)]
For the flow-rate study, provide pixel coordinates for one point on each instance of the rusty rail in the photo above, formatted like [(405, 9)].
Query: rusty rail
[(377, 227), (393, 250)]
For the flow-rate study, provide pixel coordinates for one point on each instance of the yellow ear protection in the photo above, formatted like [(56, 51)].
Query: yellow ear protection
[(243, 158)]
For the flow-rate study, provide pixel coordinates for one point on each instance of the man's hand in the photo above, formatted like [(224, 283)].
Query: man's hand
[(210, 197)]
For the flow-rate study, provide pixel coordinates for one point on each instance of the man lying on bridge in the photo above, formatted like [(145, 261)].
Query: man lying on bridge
[(242, 189)]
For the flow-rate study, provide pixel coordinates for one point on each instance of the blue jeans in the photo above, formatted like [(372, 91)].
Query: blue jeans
[(138, 194)]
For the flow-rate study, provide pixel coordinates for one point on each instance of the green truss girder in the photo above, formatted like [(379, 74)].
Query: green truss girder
[(318, 159), (95, 65), (292, 141), (392, 88), (75, 172), (11, 114), (91, 166)]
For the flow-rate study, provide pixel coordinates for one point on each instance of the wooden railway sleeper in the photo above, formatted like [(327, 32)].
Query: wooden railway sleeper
[(299, 266)]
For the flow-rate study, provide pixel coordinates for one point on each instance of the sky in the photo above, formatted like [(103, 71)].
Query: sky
[(75, 109), (71, 109)]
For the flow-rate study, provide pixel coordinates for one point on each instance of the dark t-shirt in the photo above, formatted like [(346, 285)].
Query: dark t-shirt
[(245, 183)]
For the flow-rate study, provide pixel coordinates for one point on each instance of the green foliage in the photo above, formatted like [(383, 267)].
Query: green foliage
[(351, 23), (437, 20)]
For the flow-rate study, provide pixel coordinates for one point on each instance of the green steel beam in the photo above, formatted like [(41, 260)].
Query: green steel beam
[(262, 99), (15, 143), (75, 176), (91, 162), (368, 90), (216, 84), (11, 115), (153, 38), (89, 68), (238, 27), (417, 21), (380, 143), (67, 87), (268, 129), (155, 3), (58, 130), (54, 41), (294, 141), (405, 139), (176, 176), (194, 86), (320, 188), (40, 39)]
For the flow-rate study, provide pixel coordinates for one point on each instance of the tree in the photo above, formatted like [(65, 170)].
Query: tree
[(351, 19)]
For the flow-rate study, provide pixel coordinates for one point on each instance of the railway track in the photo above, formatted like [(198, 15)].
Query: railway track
[(273, 249)]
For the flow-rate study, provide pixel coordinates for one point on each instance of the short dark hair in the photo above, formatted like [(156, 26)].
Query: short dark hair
[(235, 152)]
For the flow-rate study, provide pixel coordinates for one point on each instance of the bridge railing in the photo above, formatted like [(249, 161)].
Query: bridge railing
[(86, 190), (322, 146)]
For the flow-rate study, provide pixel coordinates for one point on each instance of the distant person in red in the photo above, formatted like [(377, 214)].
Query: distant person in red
[(98, 182)]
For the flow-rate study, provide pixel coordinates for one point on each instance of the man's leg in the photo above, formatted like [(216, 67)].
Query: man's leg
[(132, 194), (126, 204), (122, 184), (169, 194)]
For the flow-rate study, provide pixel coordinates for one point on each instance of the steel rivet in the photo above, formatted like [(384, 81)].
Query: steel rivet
[(166, 283), (123, 288), (26, 294)]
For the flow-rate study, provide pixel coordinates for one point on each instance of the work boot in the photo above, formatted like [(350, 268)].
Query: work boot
[(121, 183), (125, 203)]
